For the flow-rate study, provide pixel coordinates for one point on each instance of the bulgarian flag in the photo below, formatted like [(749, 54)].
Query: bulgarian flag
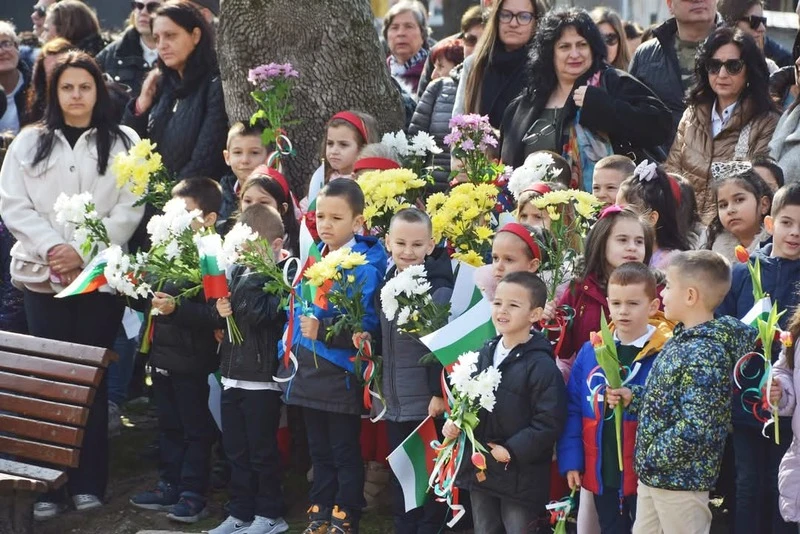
[(465, 333), (760, 310), (91, 279), (309, 255), (215, 283), (412, 463)]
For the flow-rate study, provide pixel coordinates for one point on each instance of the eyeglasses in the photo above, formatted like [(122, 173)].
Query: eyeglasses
[(755, 21), (141, 6), (469, 39), (732, 66), (610, 39), (523, 17), (8, 45), (39, 11)]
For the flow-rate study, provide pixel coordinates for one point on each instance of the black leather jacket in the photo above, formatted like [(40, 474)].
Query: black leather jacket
[(123, 60)]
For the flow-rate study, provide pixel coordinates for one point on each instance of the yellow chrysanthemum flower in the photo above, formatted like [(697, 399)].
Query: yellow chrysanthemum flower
[(470, 258)]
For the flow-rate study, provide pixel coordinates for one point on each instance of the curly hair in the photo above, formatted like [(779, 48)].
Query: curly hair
[(541, 70), (756, 72)]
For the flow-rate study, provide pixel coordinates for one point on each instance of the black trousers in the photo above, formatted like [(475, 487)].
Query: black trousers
[(333, 442), (250, 422), (91, 319)]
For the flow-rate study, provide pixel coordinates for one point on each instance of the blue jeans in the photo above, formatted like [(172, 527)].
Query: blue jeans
[(120, 371), (757, 462), (493, 515)]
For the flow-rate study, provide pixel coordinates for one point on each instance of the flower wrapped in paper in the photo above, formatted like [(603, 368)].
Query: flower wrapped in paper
[(142, 172), (386, 193), (407, 298)]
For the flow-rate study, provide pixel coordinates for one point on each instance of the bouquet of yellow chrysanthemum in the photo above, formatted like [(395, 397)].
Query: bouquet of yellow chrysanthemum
[(142, 172), (462, 218), (386, 193), (570, 213)]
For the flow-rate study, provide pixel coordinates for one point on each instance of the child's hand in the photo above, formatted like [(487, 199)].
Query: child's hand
[(219, 335), (450, 430), (549, 312), (573, 479), (615, 396), (436, 407), (775, 393), (224, 307), (164, 303), (361, 337), (309, 327), (500, 453)]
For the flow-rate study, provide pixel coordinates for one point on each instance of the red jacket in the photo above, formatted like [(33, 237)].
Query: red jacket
[(588, 300)]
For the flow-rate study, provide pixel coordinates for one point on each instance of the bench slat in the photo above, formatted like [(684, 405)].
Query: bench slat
[(42, 409), (39, 430), (46, 389), (52, 369), (59, 350), (15, 483), (52, 477), (31, 450)]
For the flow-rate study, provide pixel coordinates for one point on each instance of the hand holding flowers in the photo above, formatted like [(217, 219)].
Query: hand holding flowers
[(79, 211)]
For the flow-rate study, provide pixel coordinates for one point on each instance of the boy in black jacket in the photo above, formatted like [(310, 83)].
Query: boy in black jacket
[(528, 417), (183, 352), (251, 404)]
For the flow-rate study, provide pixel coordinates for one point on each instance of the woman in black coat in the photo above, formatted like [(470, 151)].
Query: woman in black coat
[(181, 107), (571, 85)]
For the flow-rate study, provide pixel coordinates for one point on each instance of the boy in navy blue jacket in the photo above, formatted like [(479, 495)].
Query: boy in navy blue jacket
[(757, 458), (324, 383)]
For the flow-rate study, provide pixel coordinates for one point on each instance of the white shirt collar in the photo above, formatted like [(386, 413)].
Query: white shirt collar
[(718, 122), (642, 341), (149, 54)]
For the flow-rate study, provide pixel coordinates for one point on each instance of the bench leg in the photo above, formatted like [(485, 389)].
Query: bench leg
[(16, 512)]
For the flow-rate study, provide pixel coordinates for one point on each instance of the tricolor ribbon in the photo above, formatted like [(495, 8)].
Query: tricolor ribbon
[(449, 454), (558, 325)]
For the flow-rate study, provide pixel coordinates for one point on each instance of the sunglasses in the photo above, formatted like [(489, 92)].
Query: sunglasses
[(755, 21), (610, 39), (732, 66), (469, 39), (141, 6), (39, 11)]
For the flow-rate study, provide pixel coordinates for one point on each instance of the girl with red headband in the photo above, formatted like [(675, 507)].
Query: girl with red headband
[(345, 135), (267, 186)]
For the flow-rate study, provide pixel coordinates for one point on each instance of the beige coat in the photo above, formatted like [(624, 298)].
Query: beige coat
[(694, 148)]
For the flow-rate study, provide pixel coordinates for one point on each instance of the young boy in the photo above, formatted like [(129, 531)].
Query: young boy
[(640, 332), (244, 152), (769, 171), (323, 383), (685, 408), (608, 174), (412, 391), (182, 354), (250, 398), (528, 416), (756, 458)]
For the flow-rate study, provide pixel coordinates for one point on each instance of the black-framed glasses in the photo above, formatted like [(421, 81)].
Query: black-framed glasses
[(755, 21), (732, 66), (8, 45), (141, 6), (610, 39), (39, 11), (523, 17)]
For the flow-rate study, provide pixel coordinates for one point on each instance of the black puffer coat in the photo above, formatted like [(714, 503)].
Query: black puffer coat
[(527, 420), (123, 60)]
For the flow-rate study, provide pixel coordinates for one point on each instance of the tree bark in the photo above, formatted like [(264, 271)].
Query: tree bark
[(333, 45)]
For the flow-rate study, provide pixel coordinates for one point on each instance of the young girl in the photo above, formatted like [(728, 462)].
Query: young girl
[(269, 187), (515, 248), (652, 190), (527, 212), (743, 199), (688, 214)]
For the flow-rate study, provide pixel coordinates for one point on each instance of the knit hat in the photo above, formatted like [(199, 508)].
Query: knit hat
[(211, 5)]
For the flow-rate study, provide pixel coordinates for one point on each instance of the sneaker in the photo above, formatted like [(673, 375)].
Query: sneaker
[(86, 501), (341, 522), (191, 508), (160, 499), (319, 519), (231, 526), (114, 420), (42, 511), (266, 525)]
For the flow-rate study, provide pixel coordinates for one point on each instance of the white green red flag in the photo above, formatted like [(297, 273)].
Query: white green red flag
[(412, 463), (760, 310), (465, 333), (91, 279)]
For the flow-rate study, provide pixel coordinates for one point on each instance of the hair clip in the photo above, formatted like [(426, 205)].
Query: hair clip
[(645, 171), (723, 169), (610, 210)]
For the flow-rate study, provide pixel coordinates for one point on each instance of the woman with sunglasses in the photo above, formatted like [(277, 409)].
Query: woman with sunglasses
[(730, 114), (128, 59), (748, 16), (494, 74), (610, 26)]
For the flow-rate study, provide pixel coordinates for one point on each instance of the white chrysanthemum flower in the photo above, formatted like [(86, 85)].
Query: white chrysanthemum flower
[(172, 250), (487, 402), (397, 141), (235, 240), (537, 167), (72, 208), (388, 301), (422, 143), (403, 316)]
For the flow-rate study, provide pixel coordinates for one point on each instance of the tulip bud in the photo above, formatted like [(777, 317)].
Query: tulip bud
[(741, 254), (786, 339), (479, 460), (596, 339)]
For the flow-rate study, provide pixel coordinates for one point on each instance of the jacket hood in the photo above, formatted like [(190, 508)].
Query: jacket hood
[(663, 332), (373, 250), (736, 337)]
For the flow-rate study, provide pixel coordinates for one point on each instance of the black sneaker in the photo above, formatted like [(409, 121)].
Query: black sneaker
[(160, 499), (191, 508)]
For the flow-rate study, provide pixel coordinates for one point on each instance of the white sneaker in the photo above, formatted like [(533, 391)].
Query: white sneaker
[(86, 501), (231, 526), (42, 511), (267, 525)]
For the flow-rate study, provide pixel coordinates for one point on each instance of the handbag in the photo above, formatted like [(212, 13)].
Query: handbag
[(26, 269)]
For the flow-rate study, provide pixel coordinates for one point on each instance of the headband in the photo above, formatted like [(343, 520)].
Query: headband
[(375, 164), (538, 187), (355, 120), (610, 210), (523, 233), (729, 168), (276, 176), (645, 171)]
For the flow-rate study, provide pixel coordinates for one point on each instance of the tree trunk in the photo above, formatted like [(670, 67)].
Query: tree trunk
[(333, 45)]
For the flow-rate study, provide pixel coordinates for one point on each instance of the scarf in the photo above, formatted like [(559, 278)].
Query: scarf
[(408, 73)]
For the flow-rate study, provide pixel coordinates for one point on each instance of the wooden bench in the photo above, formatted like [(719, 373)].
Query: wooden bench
[(46, 388)]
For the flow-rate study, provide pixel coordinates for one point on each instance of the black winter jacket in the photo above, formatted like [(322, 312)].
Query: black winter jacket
[(190, 131), (260, 319), (621, 106), (432, 115), (123, 60), (527, 420), (408, 385)]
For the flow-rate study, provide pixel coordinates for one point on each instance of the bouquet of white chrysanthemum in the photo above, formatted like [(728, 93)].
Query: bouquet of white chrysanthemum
[(79, 212), (538, 167), (124, 273), (416, 154), (406, 298)]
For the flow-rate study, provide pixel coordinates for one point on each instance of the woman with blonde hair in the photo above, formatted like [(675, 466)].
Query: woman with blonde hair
[(614, 36)]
